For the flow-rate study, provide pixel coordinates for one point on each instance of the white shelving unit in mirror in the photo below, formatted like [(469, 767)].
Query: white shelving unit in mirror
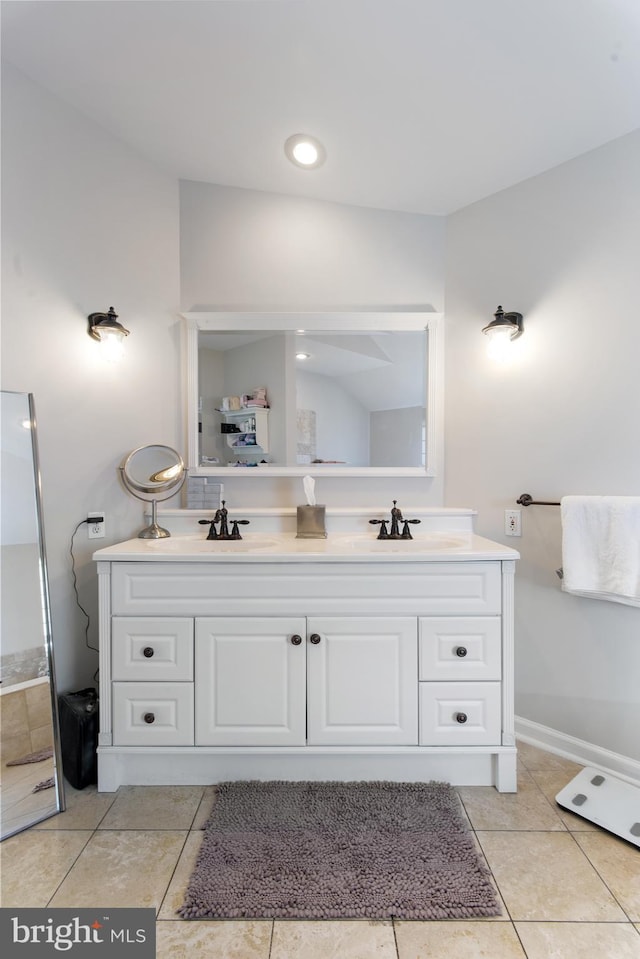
[(247, 430)]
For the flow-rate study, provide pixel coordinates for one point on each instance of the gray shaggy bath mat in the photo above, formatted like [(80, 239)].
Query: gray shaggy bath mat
[(329, 850)]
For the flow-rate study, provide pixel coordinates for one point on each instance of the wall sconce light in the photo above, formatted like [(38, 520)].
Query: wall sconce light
[(105, 328), (501, 331)]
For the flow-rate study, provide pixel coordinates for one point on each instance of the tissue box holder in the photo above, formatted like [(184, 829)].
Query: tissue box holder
[(311, 522)]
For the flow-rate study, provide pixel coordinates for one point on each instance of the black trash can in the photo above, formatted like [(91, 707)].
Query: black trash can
[(78, 716)]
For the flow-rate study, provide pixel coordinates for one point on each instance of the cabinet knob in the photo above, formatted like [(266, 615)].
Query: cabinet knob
[(147, 652), (296, 640), (461, 717), (461, 651), (149, 718), (315, 638)]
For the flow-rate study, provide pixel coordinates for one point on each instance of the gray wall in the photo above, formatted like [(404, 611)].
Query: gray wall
[(86, 224), (562, 418)]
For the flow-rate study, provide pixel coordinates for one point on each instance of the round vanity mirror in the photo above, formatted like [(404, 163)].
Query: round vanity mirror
[(153, 474)]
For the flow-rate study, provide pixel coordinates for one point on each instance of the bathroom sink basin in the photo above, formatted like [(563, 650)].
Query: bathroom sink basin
[(421, 544), (361, 542), (188, 545)]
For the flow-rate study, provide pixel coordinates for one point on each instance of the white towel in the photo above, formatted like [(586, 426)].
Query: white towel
[(601, 547)]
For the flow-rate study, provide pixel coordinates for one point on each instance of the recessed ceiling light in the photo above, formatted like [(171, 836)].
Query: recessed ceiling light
[(305, 151), (302, 356)]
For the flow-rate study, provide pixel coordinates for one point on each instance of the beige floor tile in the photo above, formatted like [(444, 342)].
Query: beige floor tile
[(20, 806), (35, 863), (618, 863), (213, 940), (570, 940), (122, 868), (153, 807), (205, 807), (180, 879), (458, 940), (523, 773), (534, 758), (85, 808), (348, 939), (526, 809), (545, 876), (550, 782)]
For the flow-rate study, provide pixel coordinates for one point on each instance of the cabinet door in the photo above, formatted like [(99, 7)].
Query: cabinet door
[(362, 681), (250, 681)]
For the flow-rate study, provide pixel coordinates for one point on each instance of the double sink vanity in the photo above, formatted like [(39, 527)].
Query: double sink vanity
[(274, 657)]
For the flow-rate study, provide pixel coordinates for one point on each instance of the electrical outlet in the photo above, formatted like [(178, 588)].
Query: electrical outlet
[(513, 522), (95, 525)]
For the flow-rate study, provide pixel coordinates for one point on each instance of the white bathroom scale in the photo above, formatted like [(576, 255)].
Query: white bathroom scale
[(605, 801)]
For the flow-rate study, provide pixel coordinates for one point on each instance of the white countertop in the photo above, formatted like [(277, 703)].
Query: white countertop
[(456, 546)]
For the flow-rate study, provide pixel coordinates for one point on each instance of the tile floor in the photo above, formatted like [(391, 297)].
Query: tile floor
[(569, 890), (19, 804)]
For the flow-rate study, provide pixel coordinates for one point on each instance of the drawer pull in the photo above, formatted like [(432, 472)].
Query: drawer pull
[(147, 652), (315, 638), (296, 640), (461, 718), (461, 651), (149, 718)]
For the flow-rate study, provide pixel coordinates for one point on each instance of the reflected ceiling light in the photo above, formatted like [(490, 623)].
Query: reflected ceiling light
[(305, 151), (302, 356), (504, 328), (105, 328)]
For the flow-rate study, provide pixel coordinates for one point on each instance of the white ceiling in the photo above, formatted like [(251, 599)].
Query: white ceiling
[(423, 105)]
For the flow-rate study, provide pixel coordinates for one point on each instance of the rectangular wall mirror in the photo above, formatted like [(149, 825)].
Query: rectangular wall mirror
[(323, 393)]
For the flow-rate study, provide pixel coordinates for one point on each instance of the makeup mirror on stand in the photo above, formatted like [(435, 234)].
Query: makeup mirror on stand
[(153, 474)]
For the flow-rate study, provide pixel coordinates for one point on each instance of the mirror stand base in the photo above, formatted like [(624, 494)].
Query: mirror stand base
[(153, 532)]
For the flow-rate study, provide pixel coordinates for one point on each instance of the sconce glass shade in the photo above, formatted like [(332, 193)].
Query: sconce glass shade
[(105, 328), (504, 328)]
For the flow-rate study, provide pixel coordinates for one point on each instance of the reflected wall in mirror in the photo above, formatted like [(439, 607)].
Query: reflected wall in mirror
[(346, 393), (32, 788)]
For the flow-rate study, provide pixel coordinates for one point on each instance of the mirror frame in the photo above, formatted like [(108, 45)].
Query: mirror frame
[(57, 804), (405, 321)]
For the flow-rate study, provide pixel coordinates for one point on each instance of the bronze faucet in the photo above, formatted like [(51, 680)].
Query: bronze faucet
[(396, 519), (221, 516)]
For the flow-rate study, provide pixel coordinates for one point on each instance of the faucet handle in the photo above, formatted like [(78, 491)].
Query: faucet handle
[(211, 523), (235, 532), (406, 532), (382, 523)]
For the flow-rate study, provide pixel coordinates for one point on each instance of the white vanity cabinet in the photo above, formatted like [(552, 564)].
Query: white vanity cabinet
[(334, 669)]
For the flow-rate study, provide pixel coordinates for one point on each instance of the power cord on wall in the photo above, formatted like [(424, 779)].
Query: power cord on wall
[(82, 522)]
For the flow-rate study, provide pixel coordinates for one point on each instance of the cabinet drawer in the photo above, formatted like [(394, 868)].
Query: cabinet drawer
[(460, 714), (303, 589), (152, 714), (152, 649), (460, 648)]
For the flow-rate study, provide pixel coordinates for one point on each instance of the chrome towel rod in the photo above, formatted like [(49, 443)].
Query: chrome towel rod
[(527, 500)]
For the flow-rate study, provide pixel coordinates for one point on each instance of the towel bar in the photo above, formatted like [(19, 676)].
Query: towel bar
[(526, 499)]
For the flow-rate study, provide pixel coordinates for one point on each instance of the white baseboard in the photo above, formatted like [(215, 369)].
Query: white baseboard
[(578, 750)]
